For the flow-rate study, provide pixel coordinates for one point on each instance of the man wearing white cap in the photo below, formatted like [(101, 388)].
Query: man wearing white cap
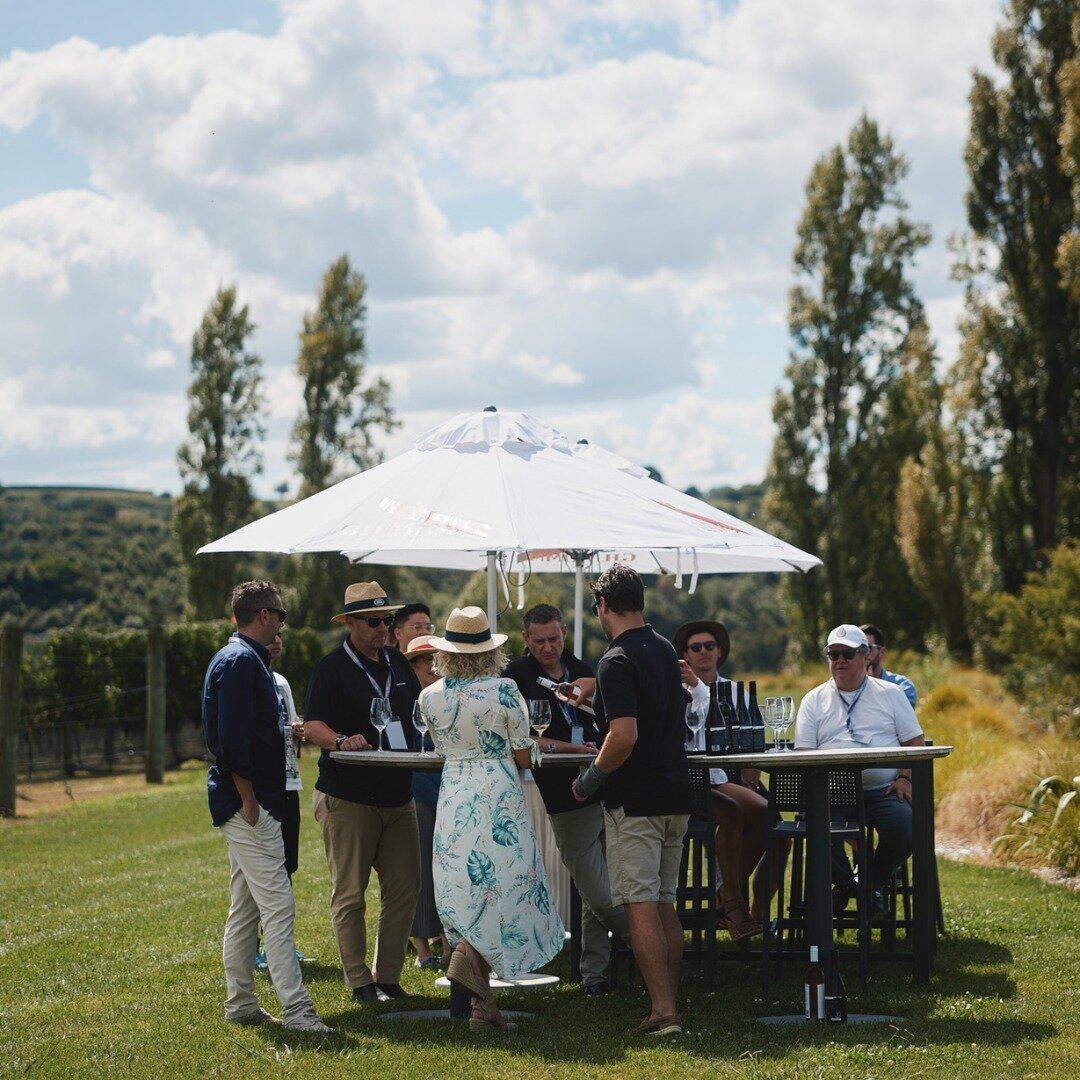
[(852, 709)]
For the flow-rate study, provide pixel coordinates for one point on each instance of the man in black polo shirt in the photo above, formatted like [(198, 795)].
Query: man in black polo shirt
[(578, 828), (366, 813), (647, 786)]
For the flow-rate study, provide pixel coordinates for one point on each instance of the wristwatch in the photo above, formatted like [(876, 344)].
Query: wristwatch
[(550, 748), (338, 740)]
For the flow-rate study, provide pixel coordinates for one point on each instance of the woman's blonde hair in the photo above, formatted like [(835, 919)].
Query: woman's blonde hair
[(484, 665)]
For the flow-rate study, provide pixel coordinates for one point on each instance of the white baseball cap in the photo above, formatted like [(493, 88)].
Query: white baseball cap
[(846, 634)]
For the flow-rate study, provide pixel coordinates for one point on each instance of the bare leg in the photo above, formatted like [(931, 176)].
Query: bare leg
[(654, 948), (423, 949)]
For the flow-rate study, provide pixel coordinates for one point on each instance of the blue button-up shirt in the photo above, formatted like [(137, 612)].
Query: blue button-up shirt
[(903, 682)]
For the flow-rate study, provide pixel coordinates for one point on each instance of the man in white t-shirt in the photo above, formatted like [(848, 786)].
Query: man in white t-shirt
[(853, 709)]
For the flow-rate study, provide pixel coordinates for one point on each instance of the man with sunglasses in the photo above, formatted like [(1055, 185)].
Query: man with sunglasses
[(246, 790), (854, 709), (367, 814)]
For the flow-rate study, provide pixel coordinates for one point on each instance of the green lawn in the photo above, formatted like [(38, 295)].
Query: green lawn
[(110, 931)]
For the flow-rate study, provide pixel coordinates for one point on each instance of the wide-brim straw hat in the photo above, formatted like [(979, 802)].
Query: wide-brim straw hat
[(365, 598), (419, 646), (702, 626), (467, 631)]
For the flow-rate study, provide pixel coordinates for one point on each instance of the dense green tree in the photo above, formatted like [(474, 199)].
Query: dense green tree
[(1069, 82), (221, 454), (342, 411), (843, 427), (1017, 386)]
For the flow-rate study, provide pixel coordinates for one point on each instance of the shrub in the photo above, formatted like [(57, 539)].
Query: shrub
[(1047, 832)]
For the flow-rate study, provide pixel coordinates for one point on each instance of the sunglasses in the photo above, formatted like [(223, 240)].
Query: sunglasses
[(280, 612), (841, 654), (377, 620), (697, 646)]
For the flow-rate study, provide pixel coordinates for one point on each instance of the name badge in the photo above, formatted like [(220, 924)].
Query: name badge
[(577, 734), (863, 738), (395, 735)]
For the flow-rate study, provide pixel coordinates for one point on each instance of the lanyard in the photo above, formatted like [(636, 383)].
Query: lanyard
[(849, 709), (379, 691)]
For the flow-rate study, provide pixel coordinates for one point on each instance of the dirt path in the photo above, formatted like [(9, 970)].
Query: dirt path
[(48, 796)]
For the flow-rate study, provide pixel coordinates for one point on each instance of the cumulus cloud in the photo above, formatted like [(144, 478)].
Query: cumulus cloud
[(655, 158)]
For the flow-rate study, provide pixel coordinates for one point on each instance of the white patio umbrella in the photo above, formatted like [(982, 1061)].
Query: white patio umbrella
[(489, 485)]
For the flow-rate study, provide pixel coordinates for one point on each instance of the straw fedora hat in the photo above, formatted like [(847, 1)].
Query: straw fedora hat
[(467, 631), (702, 626), (419, 646), (365, 598)]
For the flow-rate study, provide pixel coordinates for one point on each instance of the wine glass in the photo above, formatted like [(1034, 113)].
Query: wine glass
[(789, 712), (539, 718), (694, 722), (420, 724), (380, 716), (776, 720)]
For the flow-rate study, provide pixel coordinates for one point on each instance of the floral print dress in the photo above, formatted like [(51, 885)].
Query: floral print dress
[(490, 884)]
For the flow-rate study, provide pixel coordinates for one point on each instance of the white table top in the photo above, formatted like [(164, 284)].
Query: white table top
[(410, 759), (805, 759)]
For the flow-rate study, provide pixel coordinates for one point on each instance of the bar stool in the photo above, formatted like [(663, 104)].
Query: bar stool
[(695, 899)]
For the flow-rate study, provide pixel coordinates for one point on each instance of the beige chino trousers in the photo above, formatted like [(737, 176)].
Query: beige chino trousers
[(358, 839)]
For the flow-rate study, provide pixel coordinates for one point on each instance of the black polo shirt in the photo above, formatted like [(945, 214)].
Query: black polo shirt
[(340, 694), (554, 784), (639, 676)]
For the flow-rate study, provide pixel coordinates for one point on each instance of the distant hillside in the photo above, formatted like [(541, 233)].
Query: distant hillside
[(108, 558), (86, 556)]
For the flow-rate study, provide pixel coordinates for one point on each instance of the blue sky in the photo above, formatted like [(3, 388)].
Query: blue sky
[(580, 208)]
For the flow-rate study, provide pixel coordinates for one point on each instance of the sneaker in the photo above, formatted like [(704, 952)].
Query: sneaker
[(309, 1021), (598, 988), (260, 961), (429, 963), (301, 958), (256, 1016)]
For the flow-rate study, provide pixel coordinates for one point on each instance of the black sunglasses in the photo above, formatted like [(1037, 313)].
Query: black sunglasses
[(375, 620), (697, 646), (280, 612), (841, 654)]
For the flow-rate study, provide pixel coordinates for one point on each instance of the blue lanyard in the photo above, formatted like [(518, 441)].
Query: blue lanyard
[(849, 709)]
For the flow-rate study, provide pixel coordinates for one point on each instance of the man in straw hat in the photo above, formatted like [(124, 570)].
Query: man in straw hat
[(246, 790), (366, 813), (646, 784)]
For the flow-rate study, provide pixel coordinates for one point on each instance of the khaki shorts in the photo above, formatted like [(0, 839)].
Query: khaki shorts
[(643, 855)]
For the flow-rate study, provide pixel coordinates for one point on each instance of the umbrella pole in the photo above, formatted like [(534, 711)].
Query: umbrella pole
[(579, 595), (493, 592)]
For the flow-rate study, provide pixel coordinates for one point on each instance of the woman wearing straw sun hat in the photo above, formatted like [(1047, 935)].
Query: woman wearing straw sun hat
[(490, 887)]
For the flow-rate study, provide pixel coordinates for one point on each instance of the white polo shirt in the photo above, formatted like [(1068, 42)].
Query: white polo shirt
[(877, 714)]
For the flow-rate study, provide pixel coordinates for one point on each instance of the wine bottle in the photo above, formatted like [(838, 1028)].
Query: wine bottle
[(814, 988), (743, 734), (727, 714), (836, 1002), (757, 721)]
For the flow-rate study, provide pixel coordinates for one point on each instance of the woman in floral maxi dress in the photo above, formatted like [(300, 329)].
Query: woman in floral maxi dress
[(491, 890)]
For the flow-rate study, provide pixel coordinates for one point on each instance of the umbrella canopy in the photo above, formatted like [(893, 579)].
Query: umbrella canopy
[(490, 482)]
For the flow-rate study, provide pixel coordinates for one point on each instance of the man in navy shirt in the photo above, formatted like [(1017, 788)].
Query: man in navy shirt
[(246, 790)]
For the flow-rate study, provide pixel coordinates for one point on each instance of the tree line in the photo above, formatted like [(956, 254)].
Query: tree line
[(932, 495)]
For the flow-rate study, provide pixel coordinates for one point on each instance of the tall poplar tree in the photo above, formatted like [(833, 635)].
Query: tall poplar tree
[(221, 454), (843, 428), (342, 410), (1017, 389)]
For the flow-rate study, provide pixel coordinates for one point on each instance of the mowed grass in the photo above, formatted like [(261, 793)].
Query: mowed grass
[(111, 915)]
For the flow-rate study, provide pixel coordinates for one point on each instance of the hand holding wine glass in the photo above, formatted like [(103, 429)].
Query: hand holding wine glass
[(539, 719)]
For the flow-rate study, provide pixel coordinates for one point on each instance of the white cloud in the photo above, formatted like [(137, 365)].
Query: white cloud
[(655, 157)]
